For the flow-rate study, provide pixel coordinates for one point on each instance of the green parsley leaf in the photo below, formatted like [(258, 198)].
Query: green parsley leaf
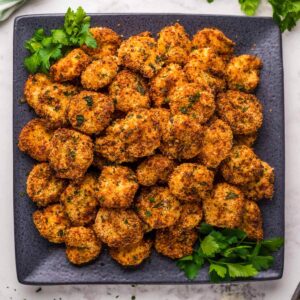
[(89, 100), (151, 199), (80, 120), (140, 88), (272, 244), (209, 246), (238, 270), (262, 262), (231, 195), (220, 270), (205, 228), (249, 7)]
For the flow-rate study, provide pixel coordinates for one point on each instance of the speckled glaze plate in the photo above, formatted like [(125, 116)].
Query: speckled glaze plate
[(39, 262)]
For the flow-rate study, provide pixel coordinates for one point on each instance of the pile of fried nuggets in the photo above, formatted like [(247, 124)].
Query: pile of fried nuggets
[(168, 122)]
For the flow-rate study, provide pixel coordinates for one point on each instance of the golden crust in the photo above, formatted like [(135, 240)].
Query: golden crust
[(160, 117), (225, 207), (34, 139), (82, 245), (42, 187), (117, 187), (71, 153), (52, 223), (191, 182), (118, 228), (245, 139), (243, 112), (157, 207), (90, 112)]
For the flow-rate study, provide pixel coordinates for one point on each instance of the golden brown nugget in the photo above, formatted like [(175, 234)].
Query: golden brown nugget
[(245, 139), (42, 186), (117, 187), (242, 72), (243, 112), (34, 139), (129, 91), (217, 143), (173, 44), (90, 112), (82, 245), (118, 228), (190, 216), (52, 223), (191, 182), (100, 73), (79, 200), (140, 53), (155, 169), (71, 153), (160, 117), (108, 42), (225, 207), (157, 207), (252, 222), (70, 66), (132, 255), (242, 166)]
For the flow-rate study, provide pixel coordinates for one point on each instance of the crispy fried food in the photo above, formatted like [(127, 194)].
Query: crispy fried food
[(34, 139), (242, 166), (117, 187), (225, 207), (242, 72), (52, 223), (190, 216), (71, 153), (217, 143), (160, 117), (90, 112), (161, 85), (129, 91), (158, 207), (173, 44), (140, 53), (191, 182), (155, 169), (182, 137), (118, 228), (70, 66), (132, 255), (79, 200), (82, 245), (243, 112), (100, 73), (43, 188), (245, 139), (252, 222), (192, 100)]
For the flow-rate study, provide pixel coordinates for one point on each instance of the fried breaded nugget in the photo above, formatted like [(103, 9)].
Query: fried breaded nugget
[(190, 217), (252, 222), (160, 117), (118, 228), (100, 73), (243, 112), (117, 187), (213, 38), (155, 169), (182, 137), (191, 182), (70, 66), (90, 112), (71, 153), (139, 53), (129, 91), (160, 85), (52, 223), (217, 143), (79, 200), (242, 72), (190, 99), (132, 255), (225, 207), (34, 139), (173, 44), (157, 207), (175, 245), (108, 42), (245, 139), (242, 166), (43, 187)]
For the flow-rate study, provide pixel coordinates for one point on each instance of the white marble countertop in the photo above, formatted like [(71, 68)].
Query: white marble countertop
[(276, 290)]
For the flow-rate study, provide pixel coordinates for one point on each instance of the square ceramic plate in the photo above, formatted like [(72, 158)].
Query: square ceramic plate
[(39, 262)]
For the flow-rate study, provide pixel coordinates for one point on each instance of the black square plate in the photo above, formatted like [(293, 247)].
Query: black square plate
[(39, 262)]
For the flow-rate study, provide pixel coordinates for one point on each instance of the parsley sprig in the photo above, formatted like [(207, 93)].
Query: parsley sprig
[(230, 254), (46, 49)]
